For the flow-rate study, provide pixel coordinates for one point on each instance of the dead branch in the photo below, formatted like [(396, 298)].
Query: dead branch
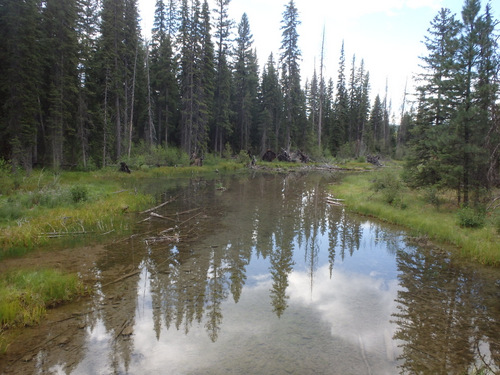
[(188, 211), (159, 206), (334, 203), (192, 217), (154, 214), (123, 277)]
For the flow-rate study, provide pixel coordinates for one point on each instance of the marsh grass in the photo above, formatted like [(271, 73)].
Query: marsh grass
[(413, 210), (48, 206), (25, 295)]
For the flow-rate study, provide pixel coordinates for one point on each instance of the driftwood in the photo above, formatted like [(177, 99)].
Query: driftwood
[(284, 156), (374, 159), (163, 238), (300, 156), (159, 206)]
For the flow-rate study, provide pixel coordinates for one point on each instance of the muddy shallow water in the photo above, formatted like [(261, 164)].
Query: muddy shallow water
[(260, 275)]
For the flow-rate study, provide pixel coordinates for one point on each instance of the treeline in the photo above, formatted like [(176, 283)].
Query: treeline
[(454, 131), (80, 86)]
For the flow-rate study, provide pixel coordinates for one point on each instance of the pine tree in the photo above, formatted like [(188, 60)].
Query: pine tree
[(359, 106), (87, 27), (205, 89), (340, 131), (271, 107), (163, 70), (222, 93), (433, 135), (458, 97), (245, 80), (374, 134), (111, 50), (60, 19), (294, 99), (196, 77), (20, 81)]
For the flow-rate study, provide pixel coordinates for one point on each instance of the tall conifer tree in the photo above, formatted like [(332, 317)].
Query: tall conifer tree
[(294, 100)]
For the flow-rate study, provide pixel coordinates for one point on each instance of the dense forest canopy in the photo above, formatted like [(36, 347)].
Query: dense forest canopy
[(79, 86)]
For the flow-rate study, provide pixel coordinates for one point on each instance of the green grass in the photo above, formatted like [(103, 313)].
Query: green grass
[(35, 206), (413, 210), (25, 295)]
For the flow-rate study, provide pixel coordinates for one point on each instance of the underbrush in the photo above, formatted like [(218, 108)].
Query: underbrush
[(425, 213)]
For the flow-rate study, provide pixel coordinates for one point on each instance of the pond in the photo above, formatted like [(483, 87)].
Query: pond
[(258, 274)]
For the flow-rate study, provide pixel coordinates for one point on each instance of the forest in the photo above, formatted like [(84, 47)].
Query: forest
[(81, 88)]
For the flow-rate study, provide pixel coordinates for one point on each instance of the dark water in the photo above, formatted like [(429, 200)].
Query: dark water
[(259, 275)]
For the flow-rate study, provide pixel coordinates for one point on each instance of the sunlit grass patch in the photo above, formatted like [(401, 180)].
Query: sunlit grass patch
[(25, 295)]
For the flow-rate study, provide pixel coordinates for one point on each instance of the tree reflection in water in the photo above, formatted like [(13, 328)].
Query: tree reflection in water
[(447, 319), (448, 316)]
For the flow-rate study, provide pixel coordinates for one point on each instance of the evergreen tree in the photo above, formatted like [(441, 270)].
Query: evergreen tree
[(340, 131), (222, 93), (60, 19), (245, 80), (87, 28), (458, 99), (359, 106), (196, 76), (112, 67), (313, 108), (163, 70), (271, 104), (206, 81), (437, 102), (293, 97), (20, 81), (374, 134)]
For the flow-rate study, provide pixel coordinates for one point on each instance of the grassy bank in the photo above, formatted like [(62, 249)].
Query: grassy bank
[(424, 212), (25, 295), (48, 207)]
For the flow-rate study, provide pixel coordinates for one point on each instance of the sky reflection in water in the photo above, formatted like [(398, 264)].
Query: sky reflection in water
[(282, 283)]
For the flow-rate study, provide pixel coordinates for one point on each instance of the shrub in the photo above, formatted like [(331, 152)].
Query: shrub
[(389, 184), (470, 218), (431, 196), (79, 193)]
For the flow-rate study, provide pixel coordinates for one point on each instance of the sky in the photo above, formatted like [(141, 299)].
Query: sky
[(386, 34)]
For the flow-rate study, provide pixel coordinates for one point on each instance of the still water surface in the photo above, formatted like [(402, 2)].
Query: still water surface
[(259, 275)]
